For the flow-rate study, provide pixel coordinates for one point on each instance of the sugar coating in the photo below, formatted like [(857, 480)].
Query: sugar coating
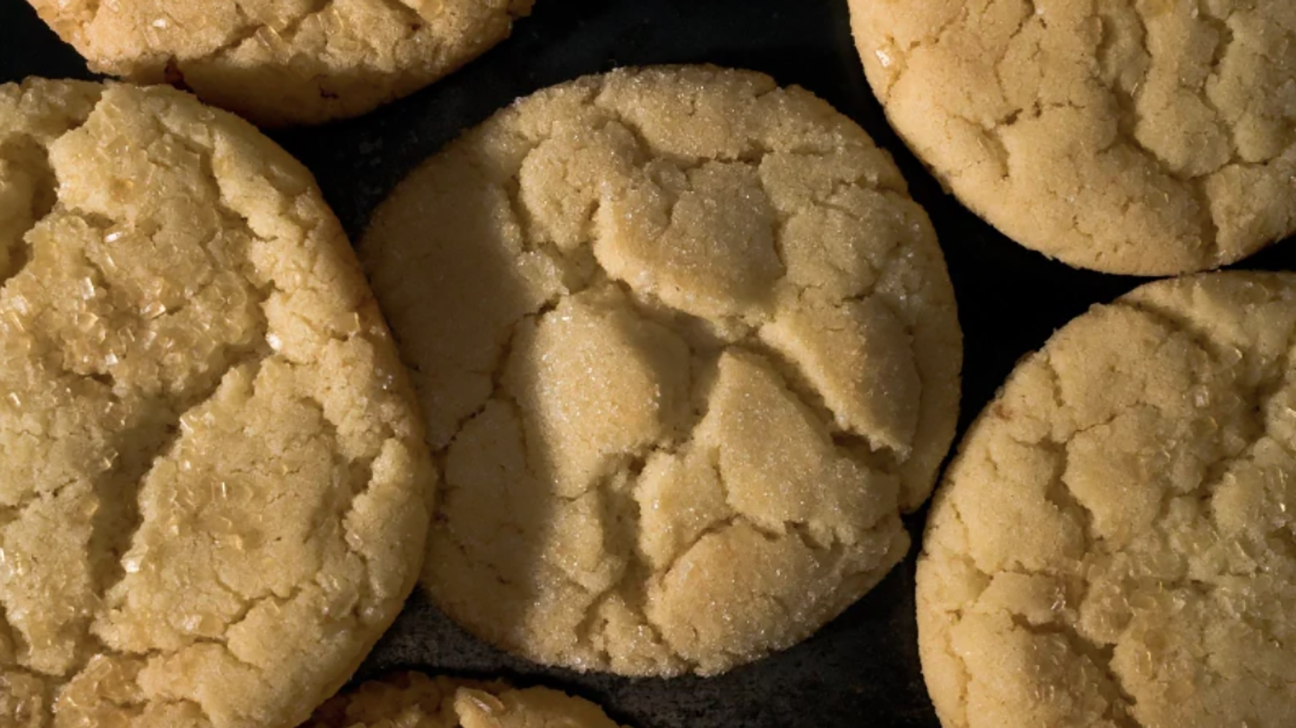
[(1115, 545), (414, 700), (213, 494), (280, 62), (1146, 137), (686, 349)]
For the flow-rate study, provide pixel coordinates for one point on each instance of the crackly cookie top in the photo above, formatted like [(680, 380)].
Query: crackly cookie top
[(1116, 543), (281, 62), (414, 700), (213, 494), (687, 349), (1148, 137)]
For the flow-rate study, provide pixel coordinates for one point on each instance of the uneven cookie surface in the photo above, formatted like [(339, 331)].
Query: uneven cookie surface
[(282, 62), (213, 494), (413, 700), (1116, 543), (687, 349), (1148, 137)]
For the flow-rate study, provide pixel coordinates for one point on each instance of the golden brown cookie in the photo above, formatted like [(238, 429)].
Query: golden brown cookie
[(1115, 545), (1147, 137), (213, 493), (413, 700), (281, 62), (688, 350)]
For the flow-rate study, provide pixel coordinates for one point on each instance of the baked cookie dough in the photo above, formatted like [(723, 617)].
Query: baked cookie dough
[(413, 700), (280, 62), (687, 349), (1115, 544), (213, 490), (1146, 137)]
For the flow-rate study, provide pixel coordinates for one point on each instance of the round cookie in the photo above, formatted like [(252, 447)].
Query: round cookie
[(213, 490), (1145, 137), (1115, 544), (413, 700), (280, 62), (687, 348)]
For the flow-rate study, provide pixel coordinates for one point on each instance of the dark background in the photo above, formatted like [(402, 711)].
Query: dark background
[(863, 668)]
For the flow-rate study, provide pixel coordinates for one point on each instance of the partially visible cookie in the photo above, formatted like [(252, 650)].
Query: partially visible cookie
[(213, 489), (414, 700), (280, 62), (688, 350), (1146, 137), (1115, 544)]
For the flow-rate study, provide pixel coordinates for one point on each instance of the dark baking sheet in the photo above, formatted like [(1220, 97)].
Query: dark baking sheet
[(863, 668)]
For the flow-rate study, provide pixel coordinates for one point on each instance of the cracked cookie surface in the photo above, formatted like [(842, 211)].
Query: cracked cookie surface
[(280, 62), (1145, 137), (1115, 544), (688, 349), (414, 700), (213, 494)]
